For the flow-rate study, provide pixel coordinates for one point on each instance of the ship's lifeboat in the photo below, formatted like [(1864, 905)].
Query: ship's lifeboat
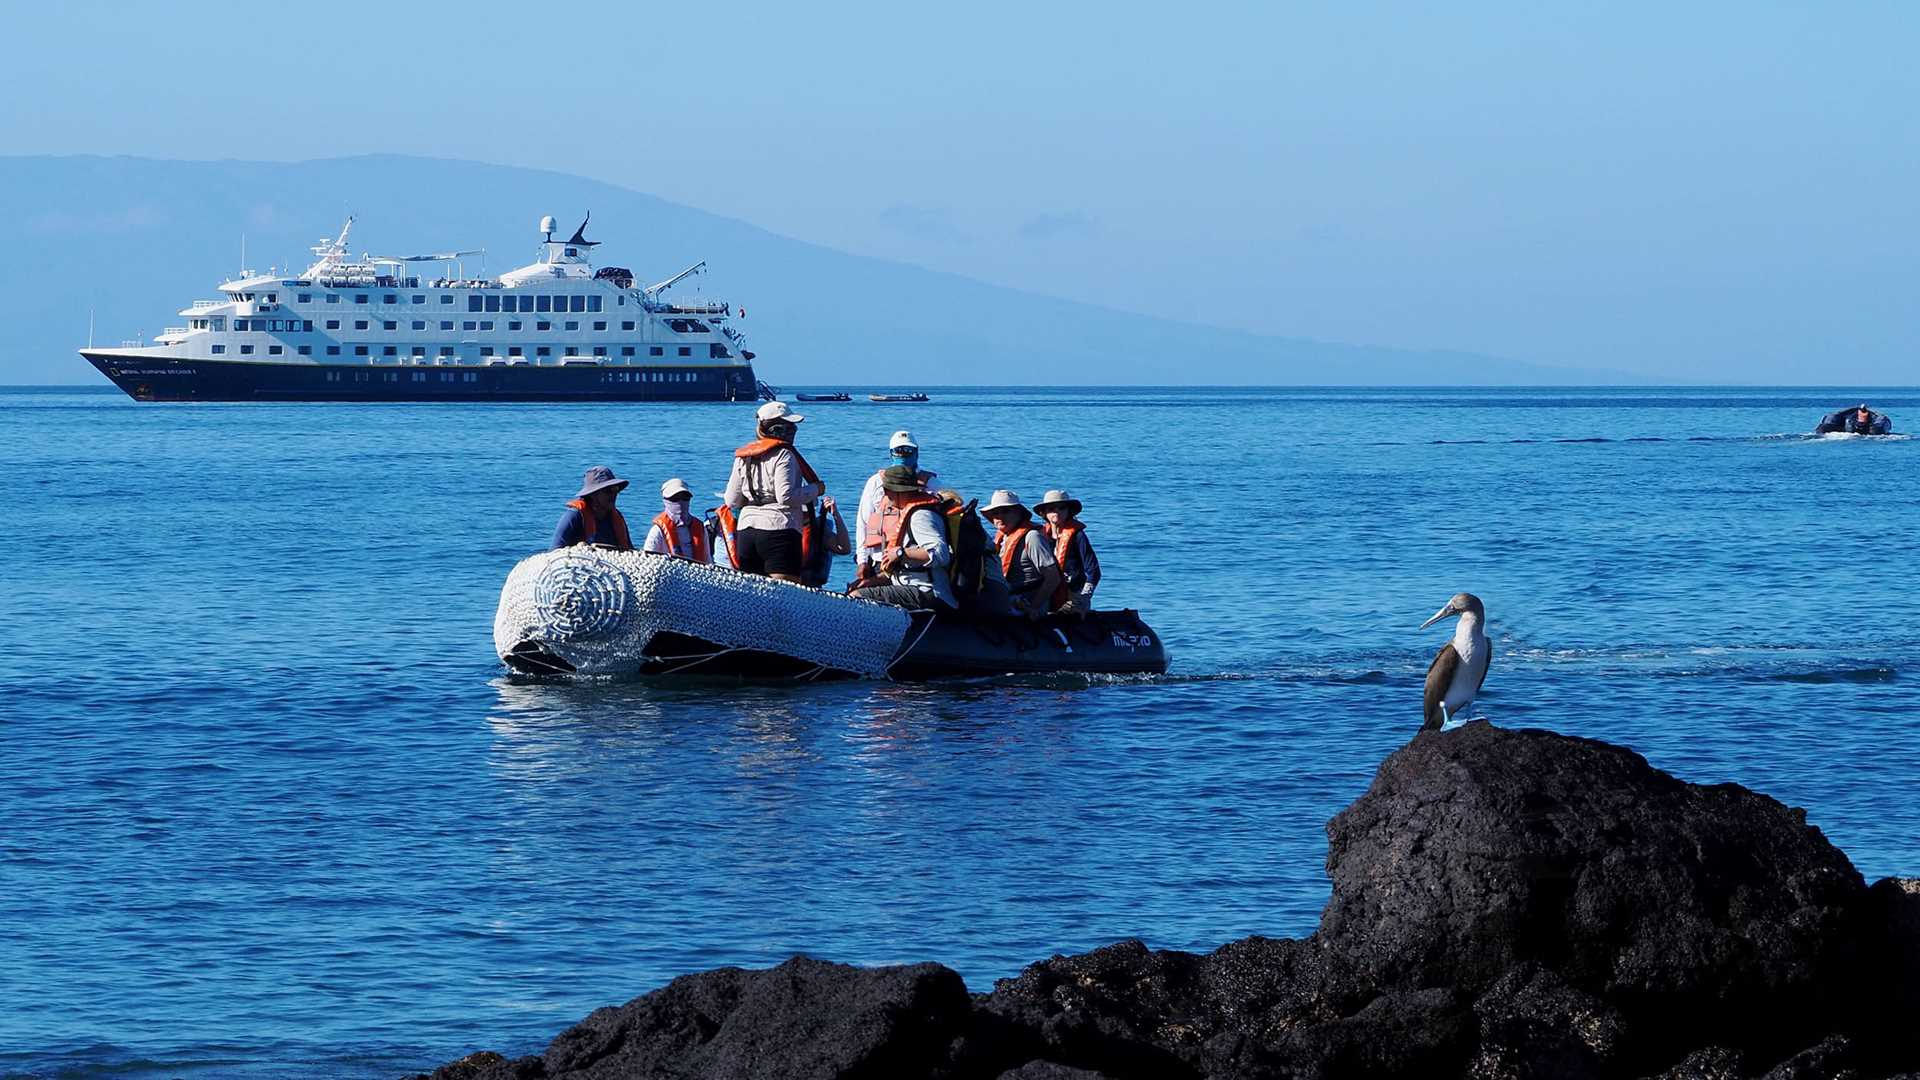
[(591, 611)]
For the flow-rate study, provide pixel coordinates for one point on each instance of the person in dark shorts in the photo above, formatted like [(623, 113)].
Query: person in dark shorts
[(768, 491)]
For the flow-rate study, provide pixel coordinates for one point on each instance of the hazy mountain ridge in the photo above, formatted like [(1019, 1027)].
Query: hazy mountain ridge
[(137, 239)]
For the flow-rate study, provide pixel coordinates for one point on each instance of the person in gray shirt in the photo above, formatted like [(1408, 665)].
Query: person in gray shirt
[(1026, 558)]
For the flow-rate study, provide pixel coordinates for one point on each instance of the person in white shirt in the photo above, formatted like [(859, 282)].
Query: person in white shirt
[(675, 530), (870, 521)]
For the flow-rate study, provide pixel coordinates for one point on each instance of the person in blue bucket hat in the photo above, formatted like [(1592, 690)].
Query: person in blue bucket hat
[(591, 517)]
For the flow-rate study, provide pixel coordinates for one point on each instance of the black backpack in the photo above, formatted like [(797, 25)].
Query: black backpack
[(971, 550), (968, 540)]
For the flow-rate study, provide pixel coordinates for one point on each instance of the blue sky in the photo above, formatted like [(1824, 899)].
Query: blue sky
[(1710, 190)]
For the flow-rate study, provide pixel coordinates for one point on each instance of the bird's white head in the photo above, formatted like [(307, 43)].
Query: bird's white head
[(1464, 604)]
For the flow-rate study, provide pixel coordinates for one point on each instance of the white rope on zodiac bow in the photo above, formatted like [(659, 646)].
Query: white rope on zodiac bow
[(597, 609)]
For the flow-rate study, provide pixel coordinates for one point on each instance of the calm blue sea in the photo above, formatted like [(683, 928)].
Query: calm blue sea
[(269, 806)]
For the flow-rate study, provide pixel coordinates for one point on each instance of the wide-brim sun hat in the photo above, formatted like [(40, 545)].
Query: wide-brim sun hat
[(1057, 497), (597, 478), (1003, 500), (900, 478), (778, 410), (675, 488), (902, 439)]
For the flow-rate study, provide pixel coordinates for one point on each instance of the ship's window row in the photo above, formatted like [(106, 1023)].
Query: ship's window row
[(475, 302), (306, 325), (491, 302), (474, 376), (290, 325), (657, 376), (479, 302), (714, 352)]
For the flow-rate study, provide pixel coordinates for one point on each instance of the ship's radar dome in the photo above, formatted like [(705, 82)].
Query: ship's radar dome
[(546, 224)]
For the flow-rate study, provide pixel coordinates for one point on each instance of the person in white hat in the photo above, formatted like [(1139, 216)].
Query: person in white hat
[(769, 489), (870, 522), (675, 531), (1079, 567), (591, 517), (1026, 558)]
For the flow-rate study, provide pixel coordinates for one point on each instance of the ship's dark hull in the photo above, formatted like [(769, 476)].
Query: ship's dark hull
[(159, 379)]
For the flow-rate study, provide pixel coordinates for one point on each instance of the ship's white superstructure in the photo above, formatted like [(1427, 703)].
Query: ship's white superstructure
[(378, 311)]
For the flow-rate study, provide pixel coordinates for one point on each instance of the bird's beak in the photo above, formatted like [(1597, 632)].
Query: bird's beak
[(1438, 615)]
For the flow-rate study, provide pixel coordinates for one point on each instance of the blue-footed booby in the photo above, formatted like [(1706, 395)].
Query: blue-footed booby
[(1460, 667)]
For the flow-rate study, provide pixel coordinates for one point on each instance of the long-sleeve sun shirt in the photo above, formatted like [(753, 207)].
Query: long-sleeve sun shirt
[(767, 493)]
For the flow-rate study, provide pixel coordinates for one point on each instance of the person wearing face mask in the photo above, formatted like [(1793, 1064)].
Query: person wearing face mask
[(676, 531), (871, 520), (769, 489)]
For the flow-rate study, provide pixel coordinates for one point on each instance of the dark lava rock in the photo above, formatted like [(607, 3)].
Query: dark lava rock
[(477, 1066), (1893, 979), (1708, 1063), (1121, 1008), (1047, 1070), (1534, 1025), (1507, 905), (1833, 1058), (1702, 913), (805, 1019)]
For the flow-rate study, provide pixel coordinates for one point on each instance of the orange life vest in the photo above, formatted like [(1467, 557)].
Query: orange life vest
[(696, 537), (1063, 543), (896, 523), (724, 515), (875, 531), (1010, 546), (763, 447), (621, 538)]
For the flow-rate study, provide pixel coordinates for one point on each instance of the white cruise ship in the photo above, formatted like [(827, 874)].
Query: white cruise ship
[(372, 329)]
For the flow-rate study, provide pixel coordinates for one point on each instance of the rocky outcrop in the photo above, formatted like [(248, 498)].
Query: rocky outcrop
[(1506, 905)]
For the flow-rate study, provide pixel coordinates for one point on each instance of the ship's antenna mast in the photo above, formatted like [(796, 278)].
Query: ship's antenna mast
[(89, 326), (243, 254)]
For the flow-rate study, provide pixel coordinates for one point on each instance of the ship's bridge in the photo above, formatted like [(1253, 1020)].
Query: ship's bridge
[(559, 259)]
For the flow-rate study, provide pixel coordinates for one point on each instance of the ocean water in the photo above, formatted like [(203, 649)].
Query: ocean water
[(271, 807)]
